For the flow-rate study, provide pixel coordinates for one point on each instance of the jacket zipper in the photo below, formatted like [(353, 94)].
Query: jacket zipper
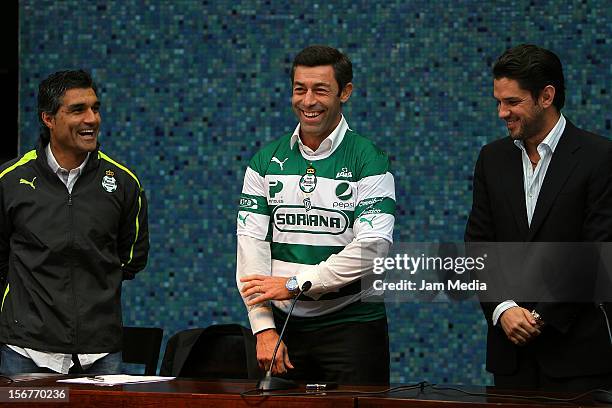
[(72, 278)]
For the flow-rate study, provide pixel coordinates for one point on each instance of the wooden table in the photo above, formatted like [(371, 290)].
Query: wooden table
[(469, 396), (221, 394), (178, 393)]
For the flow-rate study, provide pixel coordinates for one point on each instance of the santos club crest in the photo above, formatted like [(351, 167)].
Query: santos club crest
[(108, 182), (308, 182)]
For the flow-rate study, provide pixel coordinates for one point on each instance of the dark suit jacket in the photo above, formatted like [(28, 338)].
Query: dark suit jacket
[(574, 205)]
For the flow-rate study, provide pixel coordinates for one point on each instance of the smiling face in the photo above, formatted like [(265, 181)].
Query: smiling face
[(317, 102), (525, 117), (74, 127)]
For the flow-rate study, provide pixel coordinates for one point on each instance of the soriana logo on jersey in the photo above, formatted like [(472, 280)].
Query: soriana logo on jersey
[(294, 218)]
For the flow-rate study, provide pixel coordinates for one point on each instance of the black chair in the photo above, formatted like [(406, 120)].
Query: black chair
[(141, 345), (218, 351)]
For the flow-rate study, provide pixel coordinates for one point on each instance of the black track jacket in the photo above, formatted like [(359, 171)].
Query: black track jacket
[(63, 256)]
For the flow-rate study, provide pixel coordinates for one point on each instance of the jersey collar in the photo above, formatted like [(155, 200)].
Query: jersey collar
[(327, 146)]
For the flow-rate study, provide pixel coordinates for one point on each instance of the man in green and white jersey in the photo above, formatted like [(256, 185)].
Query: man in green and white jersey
[(317, 206)]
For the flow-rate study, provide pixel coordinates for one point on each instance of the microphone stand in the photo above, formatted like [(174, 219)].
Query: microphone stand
[(604, 395), (269, 383)]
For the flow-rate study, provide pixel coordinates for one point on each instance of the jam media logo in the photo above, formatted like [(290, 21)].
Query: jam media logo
[(345, 173), (293, 218), (108, 182), (280, 163), (344, 191), (275, 187), (29, 183)]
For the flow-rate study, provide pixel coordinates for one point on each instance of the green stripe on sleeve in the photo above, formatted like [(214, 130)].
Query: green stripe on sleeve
[(375, 205), (253, 203)]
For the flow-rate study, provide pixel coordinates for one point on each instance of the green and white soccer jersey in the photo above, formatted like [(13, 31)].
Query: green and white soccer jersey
[(353, 197)]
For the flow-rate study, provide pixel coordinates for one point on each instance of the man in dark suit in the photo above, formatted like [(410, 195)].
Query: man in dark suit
[(548, 182)]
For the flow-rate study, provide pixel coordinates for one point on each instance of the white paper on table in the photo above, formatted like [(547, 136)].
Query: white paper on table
[(116, 379)]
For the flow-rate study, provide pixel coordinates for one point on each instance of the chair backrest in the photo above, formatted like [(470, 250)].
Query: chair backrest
[(177, 350), (218, 351), (141, 345)]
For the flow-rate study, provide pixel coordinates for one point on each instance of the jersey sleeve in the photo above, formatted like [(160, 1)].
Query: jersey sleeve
[(253, 213), (253, 254), (375, 210), (133, 236)]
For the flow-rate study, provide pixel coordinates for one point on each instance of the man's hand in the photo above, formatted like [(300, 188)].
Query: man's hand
[(519, 325), (268, 288), (266, 341)]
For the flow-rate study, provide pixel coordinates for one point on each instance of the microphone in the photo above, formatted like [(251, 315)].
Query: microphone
[(269, 383)]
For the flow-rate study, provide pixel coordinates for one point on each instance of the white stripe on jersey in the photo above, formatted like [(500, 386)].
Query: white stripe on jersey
[(253, 183), (374, 226), (381, 185), (252, 224), (322, 196), (307, 239)]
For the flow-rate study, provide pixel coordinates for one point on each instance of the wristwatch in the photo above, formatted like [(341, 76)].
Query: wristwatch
[(537, 318), (292, 285)]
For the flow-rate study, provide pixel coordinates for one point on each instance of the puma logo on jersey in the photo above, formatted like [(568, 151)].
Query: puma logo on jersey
[(370, 221), (29, 183), (280, 163), (243, 219)]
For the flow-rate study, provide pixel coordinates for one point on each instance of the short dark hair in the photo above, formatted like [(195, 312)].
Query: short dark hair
[(533, 68), (51, 91), (317, 55)]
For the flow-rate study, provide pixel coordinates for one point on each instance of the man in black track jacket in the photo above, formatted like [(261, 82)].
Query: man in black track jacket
[(73, 226)]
